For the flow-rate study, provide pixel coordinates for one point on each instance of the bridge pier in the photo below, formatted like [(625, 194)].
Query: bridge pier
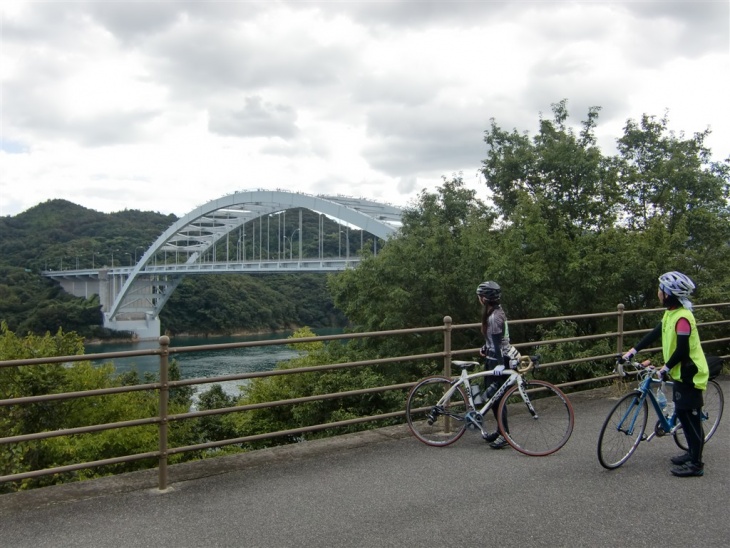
[(147, 328), (106, 284)]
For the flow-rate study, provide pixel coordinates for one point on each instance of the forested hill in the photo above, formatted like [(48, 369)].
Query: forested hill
[(58, 234)]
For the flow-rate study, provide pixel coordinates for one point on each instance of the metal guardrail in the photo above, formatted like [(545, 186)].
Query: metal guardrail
[(164, 385)]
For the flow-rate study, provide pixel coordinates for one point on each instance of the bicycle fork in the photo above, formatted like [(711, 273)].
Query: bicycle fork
[(526, 399)]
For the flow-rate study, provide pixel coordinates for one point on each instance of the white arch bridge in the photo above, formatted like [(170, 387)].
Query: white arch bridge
[(132, 297)]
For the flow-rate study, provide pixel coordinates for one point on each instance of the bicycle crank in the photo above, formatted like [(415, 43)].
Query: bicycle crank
[(474, 420)]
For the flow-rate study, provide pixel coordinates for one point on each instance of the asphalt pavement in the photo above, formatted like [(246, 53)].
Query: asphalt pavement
[(386, 489)]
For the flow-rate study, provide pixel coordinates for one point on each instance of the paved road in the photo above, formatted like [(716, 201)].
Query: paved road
[(385, 489)]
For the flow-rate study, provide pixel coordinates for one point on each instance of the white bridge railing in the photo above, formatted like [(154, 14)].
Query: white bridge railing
[(294, 265)]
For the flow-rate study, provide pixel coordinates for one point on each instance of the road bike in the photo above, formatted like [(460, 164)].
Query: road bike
[(534, 416), (625, 425)]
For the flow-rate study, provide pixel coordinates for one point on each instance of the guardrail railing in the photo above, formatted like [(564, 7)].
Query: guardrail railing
[(164, 385)]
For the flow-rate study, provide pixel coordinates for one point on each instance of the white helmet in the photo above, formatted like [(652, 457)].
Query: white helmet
[(677, 284)]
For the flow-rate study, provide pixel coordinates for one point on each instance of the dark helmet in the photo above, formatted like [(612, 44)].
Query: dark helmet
[(490, 291)]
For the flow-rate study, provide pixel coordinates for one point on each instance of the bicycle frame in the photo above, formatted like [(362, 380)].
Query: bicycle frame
[(667, 424), (464, 379)]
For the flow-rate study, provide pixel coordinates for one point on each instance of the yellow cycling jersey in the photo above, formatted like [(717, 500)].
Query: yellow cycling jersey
[(696, 354)]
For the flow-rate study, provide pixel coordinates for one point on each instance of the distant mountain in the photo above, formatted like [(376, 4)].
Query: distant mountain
[(59, 232)]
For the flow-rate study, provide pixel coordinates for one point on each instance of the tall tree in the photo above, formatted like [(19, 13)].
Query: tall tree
[(669, 176), (430, 269), (566, 174), (677, 201)]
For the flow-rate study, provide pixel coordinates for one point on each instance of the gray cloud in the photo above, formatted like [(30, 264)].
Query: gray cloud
[(277, 86), (414, 90), (132, 22), (255, 119), (407, 14), (419, 140), (31, 109), (703, 23), (195, 62)]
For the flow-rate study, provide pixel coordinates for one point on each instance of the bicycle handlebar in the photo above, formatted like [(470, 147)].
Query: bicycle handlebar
[(526, 364), (645, 367), (530, 362)]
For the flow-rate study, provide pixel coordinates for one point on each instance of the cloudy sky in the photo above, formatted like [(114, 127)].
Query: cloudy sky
[(166, 105)]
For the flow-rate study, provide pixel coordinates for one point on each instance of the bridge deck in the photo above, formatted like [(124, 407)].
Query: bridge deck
[(220, 267), (384, 488)]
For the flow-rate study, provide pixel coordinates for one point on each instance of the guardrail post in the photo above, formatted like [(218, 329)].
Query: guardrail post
[(620, 330), (447, 345), (164, 396), (447, 359)]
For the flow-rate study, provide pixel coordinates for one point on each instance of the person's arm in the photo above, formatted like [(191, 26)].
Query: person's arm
[(649, 338), (681, 353)]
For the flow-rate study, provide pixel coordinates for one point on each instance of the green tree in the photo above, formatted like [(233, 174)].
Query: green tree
[(36, 380), (566, 174), (670, 176), (677, 204), (586, 231), (216, 427), (430, 269), (301, 415)]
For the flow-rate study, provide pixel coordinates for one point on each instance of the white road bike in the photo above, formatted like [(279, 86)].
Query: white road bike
[(534, 416)]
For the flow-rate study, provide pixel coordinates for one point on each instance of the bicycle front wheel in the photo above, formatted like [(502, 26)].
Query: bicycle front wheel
[(436, 425), (714, 404), (540, 426), (622, 431)]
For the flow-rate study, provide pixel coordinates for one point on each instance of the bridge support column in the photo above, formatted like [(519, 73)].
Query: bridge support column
[(144, 329)]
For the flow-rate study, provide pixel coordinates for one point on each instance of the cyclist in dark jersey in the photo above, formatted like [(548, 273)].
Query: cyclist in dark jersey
[(496, 350)]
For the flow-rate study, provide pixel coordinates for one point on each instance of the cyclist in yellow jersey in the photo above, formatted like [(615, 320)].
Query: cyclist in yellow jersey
[(684, 362)]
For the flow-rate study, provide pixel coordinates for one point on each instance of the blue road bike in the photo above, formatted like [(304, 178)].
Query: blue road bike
[(625, 426)]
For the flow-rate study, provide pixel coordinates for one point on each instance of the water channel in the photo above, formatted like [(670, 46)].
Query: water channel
[(208, 363)]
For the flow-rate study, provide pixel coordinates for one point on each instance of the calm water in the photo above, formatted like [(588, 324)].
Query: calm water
[(209, 363)]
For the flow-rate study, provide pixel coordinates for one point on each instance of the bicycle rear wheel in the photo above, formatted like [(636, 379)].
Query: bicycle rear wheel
[(622, 431), (714, 404), (541, 430), (436, 426)]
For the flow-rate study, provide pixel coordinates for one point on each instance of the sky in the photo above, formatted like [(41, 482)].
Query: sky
[(166, 105)]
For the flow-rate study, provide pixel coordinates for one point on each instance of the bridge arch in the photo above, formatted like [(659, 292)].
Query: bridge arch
[(148, 286)]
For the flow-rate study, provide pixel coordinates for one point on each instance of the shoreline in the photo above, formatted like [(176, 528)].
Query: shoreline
[(237, 333), (183, 336)]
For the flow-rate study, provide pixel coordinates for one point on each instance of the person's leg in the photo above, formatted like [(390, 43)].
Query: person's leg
[(489, 438), (691, 421), (499, 442), (692, 425), (493, 438)]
